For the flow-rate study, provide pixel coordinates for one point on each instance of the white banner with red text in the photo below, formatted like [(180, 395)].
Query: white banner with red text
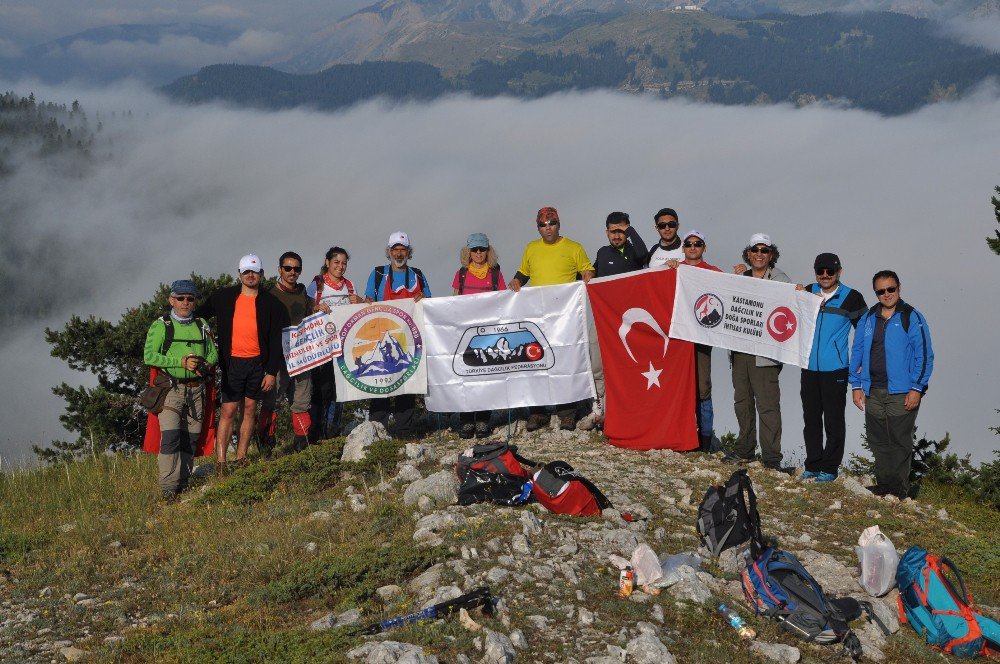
[(756, 316)]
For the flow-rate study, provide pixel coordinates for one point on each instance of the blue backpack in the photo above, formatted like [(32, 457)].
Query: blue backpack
[(777, 586), (941, 611)]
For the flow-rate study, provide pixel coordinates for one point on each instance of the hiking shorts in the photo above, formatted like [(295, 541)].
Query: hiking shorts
[(241, 379)]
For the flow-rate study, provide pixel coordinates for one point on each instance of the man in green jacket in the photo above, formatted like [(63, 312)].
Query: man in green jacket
[(180, 346)]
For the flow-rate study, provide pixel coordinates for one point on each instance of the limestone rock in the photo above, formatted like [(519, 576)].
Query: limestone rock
[(776, 652), (430, 578), (835, 578), (647, 649), (361, 438), (391, 652), (497, 649), (440, 489), (73, 654), (326, 622)]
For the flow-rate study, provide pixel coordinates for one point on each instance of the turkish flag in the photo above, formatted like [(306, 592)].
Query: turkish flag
[(649, 378)]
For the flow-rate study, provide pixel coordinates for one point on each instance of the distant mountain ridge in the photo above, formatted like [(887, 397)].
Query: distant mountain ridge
[(886, 62)]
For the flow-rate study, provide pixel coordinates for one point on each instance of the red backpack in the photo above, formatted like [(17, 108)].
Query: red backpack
[(493, 472), (562, 490)]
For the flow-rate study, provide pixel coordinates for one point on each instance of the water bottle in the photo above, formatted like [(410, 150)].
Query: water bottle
[(734, 619)]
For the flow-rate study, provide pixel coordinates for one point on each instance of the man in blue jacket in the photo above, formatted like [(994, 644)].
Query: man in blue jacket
[(891, 364), (823, 386)]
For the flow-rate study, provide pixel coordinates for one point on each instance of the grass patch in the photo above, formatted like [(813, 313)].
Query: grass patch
[(13, 546), (312, 470)]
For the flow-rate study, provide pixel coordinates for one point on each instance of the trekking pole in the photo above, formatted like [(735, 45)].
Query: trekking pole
[(480, 597), (509, 435)]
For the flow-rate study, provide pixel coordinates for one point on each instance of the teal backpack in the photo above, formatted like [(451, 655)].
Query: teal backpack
[(939, 610)]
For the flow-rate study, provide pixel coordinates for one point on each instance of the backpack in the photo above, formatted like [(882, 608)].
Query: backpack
[(494, 278), (493, 472), (380, 275), (941, 612), (562, 490), (728, 516), (778, 587), (168, 333)]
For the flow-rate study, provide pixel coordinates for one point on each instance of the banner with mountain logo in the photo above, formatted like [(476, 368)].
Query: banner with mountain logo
[(501, 350), (756, 316), (381, 350)]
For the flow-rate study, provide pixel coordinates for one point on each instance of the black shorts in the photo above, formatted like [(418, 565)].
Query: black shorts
[(241, 379)]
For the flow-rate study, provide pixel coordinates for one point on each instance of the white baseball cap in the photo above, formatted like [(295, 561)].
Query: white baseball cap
[(695, 233), (250, 263), (399, 237), (759, 238)]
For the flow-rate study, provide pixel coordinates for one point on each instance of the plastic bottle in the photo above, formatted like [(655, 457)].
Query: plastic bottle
[(734, 619), (626, 582)]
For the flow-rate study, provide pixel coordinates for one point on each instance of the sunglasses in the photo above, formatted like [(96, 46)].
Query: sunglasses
[(825, 272), (292, 268), (184, 298), (543, 224), (478, 249), (760, 250), (882, 291), (667, 224), (696, 243)]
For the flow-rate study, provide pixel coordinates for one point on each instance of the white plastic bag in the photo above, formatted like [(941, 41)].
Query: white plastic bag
[(877, 560), (646, 565)]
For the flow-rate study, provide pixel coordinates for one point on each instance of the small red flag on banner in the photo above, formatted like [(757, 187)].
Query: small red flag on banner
[(649, 378)]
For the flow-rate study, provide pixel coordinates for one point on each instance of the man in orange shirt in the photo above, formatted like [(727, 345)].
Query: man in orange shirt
[(249, 324)]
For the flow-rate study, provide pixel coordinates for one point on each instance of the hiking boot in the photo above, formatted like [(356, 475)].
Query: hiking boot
[(300, 443), (809, 475), (567, 420), (537, 421), (467, 431), (781, 469), (483, 430), (878, 490), (704, 443), (735, 458), (169, 496), (826, 477)]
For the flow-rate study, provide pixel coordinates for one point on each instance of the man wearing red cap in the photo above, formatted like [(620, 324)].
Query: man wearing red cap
[(549, 260)]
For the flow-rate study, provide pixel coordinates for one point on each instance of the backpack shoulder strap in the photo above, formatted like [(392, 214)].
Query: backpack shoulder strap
[(420, 278), (462, 271), (748, 499), (320, 283), (495, 277), (168, 334)]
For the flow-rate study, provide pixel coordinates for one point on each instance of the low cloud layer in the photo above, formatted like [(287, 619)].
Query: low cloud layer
[(983, 32), (192, 189)]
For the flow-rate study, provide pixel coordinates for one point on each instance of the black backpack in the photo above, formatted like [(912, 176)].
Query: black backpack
[(493, 472), (728, 517)]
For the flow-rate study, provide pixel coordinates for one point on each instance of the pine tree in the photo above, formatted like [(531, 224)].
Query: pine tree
[(994, 242)]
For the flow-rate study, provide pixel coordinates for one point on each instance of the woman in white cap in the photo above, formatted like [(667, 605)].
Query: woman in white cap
[(755, 378), (479, 273)]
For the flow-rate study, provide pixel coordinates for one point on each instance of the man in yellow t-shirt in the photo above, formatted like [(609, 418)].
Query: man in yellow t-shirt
[(549, 260)]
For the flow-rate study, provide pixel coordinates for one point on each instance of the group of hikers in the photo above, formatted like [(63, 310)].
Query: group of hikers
[(887, 367)]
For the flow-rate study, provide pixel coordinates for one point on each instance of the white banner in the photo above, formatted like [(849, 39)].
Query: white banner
[(507, 350), (756, 316), (382, 350), (310, 343)]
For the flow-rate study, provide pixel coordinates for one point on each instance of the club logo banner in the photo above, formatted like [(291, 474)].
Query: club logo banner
[(310, 343), (382, 350), (756, 316), (507, 350)]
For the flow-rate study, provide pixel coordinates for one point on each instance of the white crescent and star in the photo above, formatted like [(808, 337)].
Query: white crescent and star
[(773, 320), (640, 315)]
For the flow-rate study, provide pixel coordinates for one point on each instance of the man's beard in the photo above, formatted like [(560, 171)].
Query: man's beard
[(399, 263)]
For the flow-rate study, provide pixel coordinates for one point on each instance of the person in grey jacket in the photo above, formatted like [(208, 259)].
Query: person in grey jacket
[(755, 378)]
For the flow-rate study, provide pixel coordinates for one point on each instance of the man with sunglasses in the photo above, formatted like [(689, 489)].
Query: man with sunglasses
[(823, 386), (756, 390), (249, 324), (185, 357), (297, 389), (549, 260), (669, 246), (693, 246), (891, 364)]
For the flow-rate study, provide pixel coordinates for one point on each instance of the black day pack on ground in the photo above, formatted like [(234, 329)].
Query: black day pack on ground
[(728, 517), (493, 472)]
